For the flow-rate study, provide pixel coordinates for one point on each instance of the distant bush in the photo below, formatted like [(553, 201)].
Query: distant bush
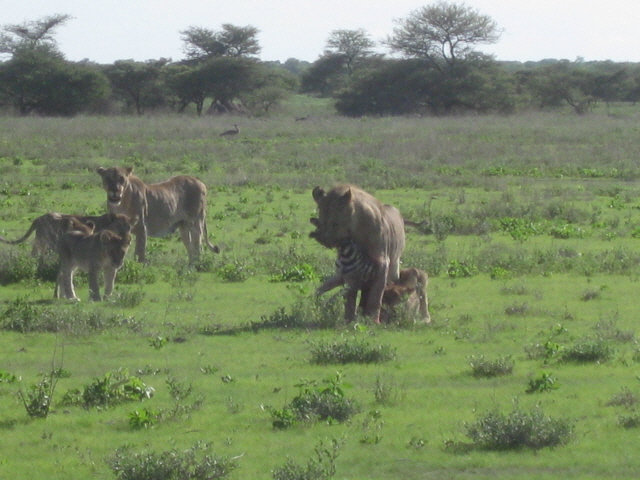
[(483, 368), (112, 389), (322, 467), (626, 398), (519, 430), (587, 351), (190, 464), (544, 382), (314, 403), (350, 351)]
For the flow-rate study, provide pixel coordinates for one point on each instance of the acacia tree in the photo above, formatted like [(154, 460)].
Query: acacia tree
[(232, 41), (35, 33), (138, 83), (37, 78), (443, 33), (352, 45)]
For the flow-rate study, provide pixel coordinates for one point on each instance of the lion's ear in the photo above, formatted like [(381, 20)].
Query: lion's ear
[(101, 171), (346, 197), (318, 194), (315, 222), (129, 170)]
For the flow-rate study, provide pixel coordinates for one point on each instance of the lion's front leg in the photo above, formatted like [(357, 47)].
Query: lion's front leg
[(373, 300), (94, 283), (141, 242), (109, 280), (64, 285), (191, 236)]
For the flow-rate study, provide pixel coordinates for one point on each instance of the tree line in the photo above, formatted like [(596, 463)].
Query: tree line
[(434, 68)]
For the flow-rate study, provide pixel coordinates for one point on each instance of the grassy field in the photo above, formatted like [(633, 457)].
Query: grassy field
[(531, 244)]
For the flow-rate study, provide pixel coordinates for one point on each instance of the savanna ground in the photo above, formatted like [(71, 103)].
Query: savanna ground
[(531, 243)]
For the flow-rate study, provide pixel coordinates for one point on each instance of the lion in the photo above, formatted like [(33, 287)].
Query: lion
[(50, 227), (93, 253), (161, 208), (410, 290), (348, 213)]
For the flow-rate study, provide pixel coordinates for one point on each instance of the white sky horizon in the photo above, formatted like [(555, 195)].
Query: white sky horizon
[(104, 31)]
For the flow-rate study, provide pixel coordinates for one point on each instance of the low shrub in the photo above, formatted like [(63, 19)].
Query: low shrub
[(112, 389), (626, 398), (519, 430), (195, 463), (314, 403), (350, 351), (544, 382), (587, 351), (483, 368), (322, 467)]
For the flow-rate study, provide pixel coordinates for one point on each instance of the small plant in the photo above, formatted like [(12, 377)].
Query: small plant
[(626, 398), (587, 351), (350, 351), (545, 382), (195, 463), (129, 297), (371, 426), (519, 430), (297, 273), (6, 377), (143, 418), (629, 421), (233, 272), (385, 391), (112, 389), (322, 467), (158, 342), (315, 403), (567, 231), (38, 398), (483, 368), (458, 269)]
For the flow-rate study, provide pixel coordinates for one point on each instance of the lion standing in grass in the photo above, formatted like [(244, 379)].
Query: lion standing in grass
[(347, 213), (94, 253), (50, 227), (162, 208)]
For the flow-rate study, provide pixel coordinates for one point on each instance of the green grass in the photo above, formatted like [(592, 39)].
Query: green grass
[(531, 249)]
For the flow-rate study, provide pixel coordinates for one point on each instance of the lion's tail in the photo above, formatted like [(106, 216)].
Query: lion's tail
[(23, 238), (213, 248)]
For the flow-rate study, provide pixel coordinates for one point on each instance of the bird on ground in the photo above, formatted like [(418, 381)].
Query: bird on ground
[(234, 131)]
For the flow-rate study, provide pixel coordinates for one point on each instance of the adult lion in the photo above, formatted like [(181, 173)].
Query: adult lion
[(50, 227), (347, 213), (162, 208), (92, 253)]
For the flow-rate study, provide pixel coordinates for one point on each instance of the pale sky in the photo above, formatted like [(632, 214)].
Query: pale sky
[(104, 31)]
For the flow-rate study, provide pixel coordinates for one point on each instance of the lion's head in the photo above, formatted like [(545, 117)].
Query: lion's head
[(115, 247), (120, 223), (335, 216), (115, 181)]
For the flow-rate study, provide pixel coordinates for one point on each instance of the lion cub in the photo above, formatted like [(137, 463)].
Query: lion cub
[(410, 289), (91, 252)]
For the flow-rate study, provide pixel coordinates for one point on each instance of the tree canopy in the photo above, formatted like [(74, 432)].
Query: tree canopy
[(442, 32)]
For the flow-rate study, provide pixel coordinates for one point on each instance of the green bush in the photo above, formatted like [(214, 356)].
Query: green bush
[(350, 351), (112, 389), (544, 382), (519, 430), (322, 467), (314, 403), (190, 464), (587, 351), (483, 368)]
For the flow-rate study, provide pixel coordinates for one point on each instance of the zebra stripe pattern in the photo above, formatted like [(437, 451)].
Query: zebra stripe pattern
[(353, 262)]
